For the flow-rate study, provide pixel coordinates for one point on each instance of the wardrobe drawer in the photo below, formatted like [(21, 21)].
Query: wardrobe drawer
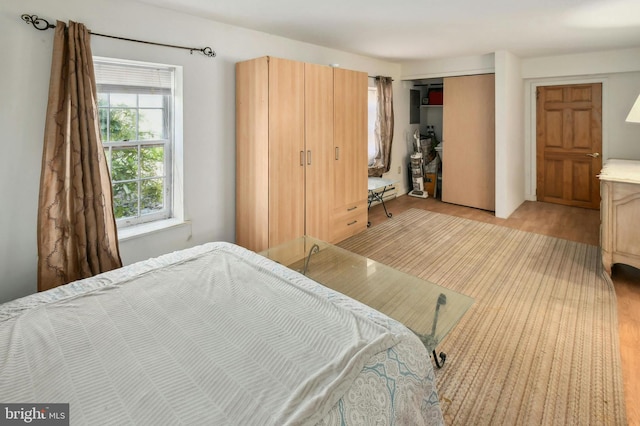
[(349, 220)]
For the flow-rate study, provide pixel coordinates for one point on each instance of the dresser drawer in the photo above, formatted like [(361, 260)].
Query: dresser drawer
[(349, 220)]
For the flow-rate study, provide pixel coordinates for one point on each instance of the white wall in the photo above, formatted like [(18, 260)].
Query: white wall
[(448, 67), (209, 117), (509, 134), (623, 138), (607, 62)]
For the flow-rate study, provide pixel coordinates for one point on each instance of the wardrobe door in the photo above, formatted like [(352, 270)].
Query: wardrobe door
[(318, 107), (468, 168), (350, 153), (286, 150), (252, 153)]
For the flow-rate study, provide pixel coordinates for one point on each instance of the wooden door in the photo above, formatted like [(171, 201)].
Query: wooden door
[(468, 121), (318, 107), (286, 150), (569, 144), (350, 137)]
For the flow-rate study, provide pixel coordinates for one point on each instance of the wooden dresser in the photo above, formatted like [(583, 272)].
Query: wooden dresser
[(620, 213)]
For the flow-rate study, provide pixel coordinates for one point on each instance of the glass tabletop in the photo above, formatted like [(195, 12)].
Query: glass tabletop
[(429, 310)]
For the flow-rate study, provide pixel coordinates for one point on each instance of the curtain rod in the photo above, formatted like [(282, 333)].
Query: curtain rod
[(377, 76), (43, 25)]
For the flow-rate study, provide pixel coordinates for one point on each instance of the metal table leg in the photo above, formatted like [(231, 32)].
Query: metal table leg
[(378, 196), (429, 339)]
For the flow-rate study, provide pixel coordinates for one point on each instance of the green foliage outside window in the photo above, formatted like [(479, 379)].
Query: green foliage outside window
[(137, 170)]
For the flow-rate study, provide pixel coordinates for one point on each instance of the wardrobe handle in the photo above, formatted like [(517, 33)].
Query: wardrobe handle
[(337, 152), (352, 223), (309, 157), (302, 158), (352, 208)]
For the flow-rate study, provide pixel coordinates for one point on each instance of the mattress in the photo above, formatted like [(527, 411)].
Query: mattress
[(214, 334)]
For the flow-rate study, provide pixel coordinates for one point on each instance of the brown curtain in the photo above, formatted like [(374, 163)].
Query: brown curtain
[(384, 127), (77, 236)]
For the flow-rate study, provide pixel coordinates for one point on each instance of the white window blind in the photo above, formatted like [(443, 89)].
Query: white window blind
[(133, 79)]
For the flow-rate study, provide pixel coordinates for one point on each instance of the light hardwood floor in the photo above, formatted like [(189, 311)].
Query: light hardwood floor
[(571, 223)]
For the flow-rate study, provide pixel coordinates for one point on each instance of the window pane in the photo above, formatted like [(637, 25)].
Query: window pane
[(151, 124), (103, 114), (124, 164), (103, 99), (122, 125), (124, 100), (107, 154), (152, 161), (125, 199), (150, 101), (373, 112), (152, 199)]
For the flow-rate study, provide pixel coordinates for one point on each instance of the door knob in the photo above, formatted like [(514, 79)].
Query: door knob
[(594, 155)]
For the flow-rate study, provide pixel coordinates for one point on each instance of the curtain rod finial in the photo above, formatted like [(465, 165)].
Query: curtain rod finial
[(209, 52), (38, 23)]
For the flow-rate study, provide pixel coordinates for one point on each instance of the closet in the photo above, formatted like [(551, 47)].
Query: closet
[(462, 115), (298, 152)]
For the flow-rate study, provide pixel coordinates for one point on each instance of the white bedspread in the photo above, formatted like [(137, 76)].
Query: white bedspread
[(205, 338)]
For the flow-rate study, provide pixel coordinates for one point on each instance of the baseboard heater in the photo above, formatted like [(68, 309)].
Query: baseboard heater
[(389, 194)]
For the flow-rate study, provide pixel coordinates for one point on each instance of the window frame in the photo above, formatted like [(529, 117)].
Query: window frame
[(170, 102), (372, 144)]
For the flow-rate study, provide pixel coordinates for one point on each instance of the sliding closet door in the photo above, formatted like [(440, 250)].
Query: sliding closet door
[(468, 168), (286, 150)]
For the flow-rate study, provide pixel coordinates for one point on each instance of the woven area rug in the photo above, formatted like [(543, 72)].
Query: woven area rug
[(540, 344)]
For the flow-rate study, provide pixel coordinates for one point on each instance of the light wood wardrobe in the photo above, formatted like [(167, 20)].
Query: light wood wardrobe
[(301, 161)]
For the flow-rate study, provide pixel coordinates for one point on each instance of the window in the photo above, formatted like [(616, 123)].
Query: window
[(136, 103), (373, 115)]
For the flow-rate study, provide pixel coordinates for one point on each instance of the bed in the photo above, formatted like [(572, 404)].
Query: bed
[(214, 334)]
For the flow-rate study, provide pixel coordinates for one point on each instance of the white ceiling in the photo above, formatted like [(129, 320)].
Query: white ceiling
[(399, 30)]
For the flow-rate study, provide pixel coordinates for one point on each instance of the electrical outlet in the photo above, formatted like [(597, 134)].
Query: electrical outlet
[(399, 169)]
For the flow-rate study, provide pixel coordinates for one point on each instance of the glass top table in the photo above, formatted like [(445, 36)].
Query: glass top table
[(429, 310)]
